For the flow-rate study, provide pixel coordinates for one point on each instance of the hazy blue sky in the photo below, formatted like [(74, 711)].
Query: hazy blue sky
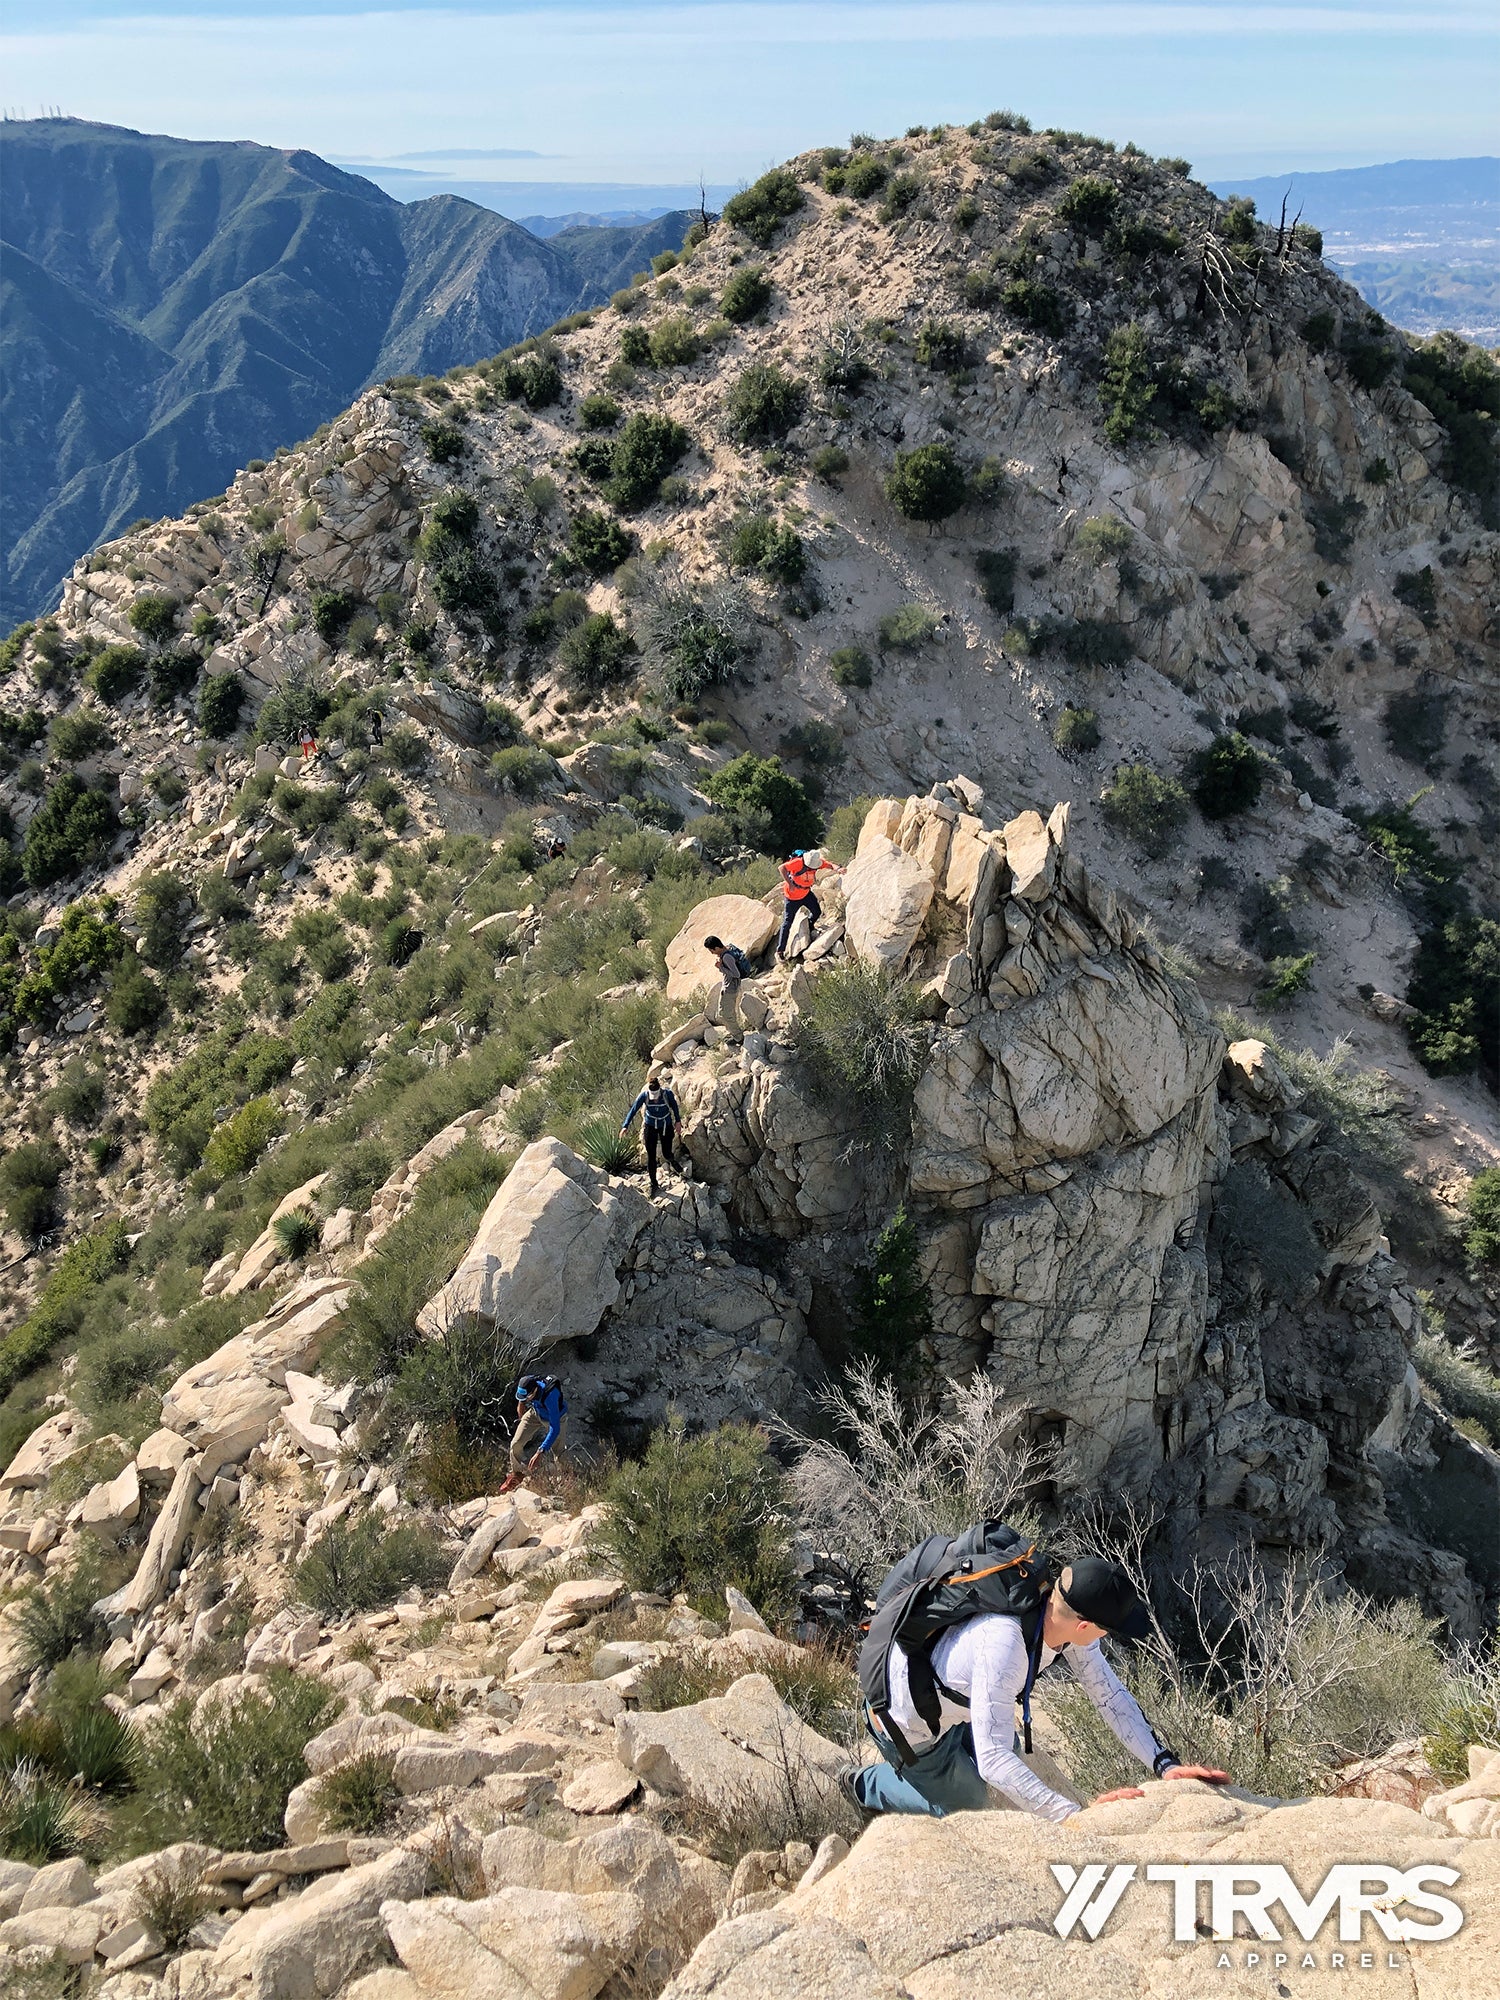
[(610, 91)]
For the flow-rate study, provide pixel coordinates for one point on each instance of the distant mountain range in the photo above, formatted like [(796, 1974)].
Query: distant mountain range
[(171, 308), (1420, 238)]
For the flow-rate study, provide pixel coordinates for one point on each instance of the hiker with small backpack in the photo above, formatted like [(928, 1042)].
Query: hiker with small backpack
[(541, 1413), (733, 969), (660, 1120), (961, 1630)]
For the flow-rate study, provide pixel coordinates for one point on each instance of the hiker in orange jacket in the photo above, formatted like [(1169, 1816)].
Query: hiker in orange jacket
[(797, 878)]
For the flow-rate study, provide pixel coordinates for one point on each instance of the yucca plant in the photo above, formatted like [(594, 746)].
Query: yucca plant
[(41, 1818), (296, 1233), (603, 1144)]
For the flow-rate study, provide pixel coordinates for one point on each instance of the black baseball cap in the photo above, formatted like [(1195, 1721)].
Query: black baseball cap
[(1103, 1593)]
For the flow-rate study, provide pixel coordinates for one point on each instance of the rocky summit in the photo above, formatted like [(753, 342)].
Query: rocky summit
[(1112, 596)]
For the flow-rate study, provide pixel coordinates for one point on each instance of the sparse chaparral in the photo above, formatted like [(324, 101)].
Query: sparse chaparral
[(1081, 568)]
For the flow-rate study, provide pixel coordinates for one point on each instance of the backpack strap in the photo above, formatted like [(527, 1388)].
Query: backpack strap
[(1033, 1667)]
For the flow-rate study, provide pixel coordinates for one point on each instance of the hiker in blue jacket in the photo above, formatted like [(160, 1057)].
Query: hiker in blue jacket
[(660, 1120), (540, 1409)]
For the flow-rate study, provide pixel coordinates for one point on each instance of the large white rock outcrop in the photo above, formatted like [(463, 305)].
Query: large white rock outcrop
[(738, 920), (224, 1406), (544, 1262), (964, 1907)]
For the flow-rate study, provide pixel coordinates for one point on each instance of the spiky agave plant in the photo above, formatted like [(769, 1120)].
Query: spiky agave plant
[(603, 1144), (41, 1818)]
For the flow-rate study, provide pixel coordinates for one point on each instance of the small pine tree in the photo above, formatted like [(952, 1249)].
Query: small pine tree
[(893, 1304)]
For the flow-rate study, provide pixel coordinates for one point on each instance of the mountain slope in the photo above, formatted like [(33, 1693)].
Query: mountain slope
[(987, 453), (219, 299)]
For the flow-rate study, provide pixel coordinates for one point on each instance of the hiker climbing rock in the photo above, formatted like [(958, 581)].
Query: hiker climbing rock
[(660, 1120), (308, 741), (541, 1411), (798, 876), (377, 728), (961, 1630), (733, 968)]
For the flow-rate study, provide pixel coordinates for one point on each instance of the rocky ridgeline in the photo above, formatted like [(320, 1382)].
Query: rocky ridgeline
[(1072, 1133)]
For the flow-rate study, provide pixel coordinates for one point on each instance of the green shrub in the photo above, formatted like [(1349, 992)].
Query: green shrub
[(77, 736), (81, 1269), (1482, 1206), (695, 1514), (765, 404), (115, 1368), (1076, 729), (1225, 778), (814, 1683), (941, 347), (115, 673), (635, 347), (997, 578), (171, 1898), (71, 828), (164, 906), (674, 342), (816, 744), (761, 208), (1416, 726), (747, 293), (57, 1619), (757, 543), (767, 806), (908, 627), (861, 177), (1149, 809), (1417, 590), (445, 443), (1037, 305), (598, 412), (850, 667), (927, 484), (463, 1378), (220, 700), (154, 617), (523, 769), (324, 942), (1464, 1386), (1127, 387), (597, 654), (694, 637), (29, 1177), (903, 192), (597, 542), (401, 940), (366, 1565), (642, 456), (1089, 205), (1104, 538), (241, 1139), (362, 1796), (135, 1002), (1286, 978), (829, 462), (224, 1777), (78, 1095), (331, 613), (863, 1043)]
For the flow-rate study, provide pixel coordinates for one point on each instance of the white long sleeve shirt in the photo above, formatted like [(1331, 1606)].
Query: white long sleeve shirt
[(985, 1659)]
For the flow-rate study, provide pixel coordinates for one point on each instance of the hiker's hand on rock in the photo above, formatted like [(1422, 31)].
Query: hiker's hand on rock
[(1121, 1792), (1204, 1771)]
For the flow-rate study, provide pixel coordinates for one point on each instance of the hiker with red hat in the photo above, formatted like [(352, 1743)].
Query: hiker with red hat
[(960, 1632), (797, 878)]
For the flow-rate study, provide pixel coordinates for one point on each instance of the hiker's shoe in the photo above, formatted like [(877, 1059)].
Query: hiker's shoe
[(848, 1783)]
